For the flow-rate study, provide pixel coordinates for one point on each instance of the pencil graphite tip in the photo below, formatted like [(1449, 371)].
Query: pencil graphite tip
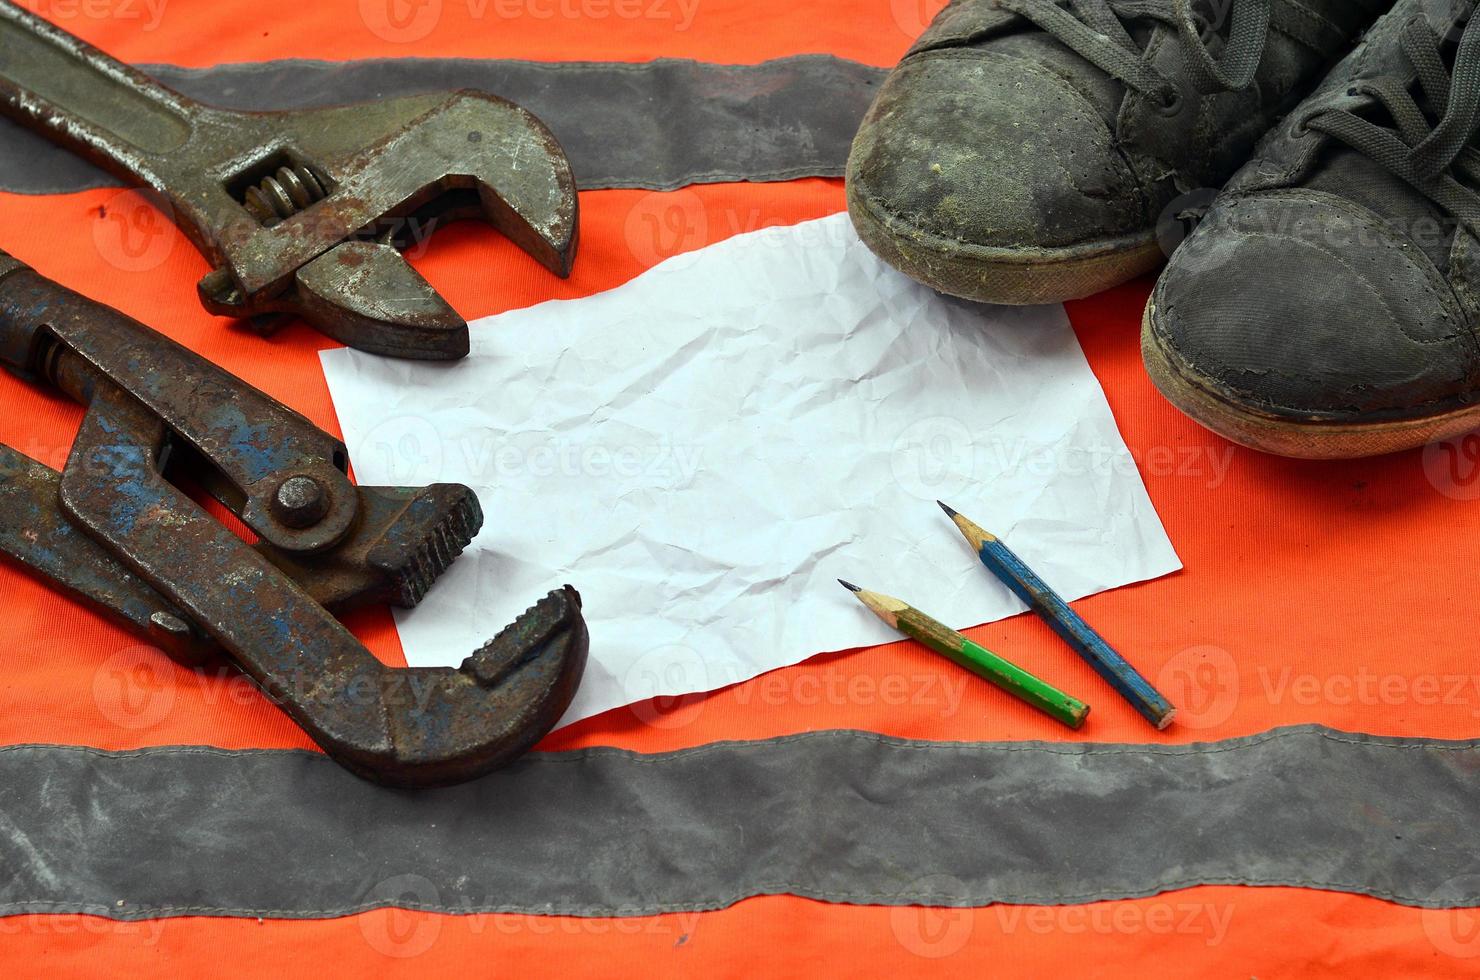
[(849, 586), (950, 511)]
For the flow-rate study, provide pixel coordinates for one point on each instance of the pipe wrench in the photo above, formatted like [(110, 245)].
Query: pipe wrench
[(114, 529)]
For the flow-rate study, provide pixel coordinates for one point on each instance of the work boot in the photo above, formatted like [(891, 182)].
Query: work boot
[(1326, 306), (1023, 151)]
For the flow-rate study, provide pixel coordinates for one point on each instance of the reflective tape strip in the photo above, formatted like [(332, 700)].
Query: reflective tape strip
[(656, 125), (849, 817)]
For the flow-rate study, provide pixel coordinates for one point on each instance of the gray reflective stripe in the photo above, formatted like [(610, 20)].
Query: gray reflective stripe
[(658, 125), (839, 816)]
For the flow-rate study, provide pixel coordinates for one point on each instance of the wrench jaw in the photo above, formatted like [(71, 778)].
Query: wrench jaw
[(334, 261), (500, 163), (447, 726), (403, 541), (366, 295), (363, 294)]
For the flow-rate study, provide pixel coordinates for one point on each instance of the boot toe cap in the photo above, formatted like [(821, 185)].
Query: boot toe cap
[(1307, 307), (983, 150)]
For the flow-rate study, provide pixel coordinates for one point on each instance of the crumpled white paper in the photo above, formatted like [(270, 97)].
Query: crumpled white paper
[(705, 449)]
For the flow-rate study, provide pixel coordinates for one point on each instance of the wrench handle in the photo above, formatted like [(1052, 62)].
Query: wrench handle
[(201, 404), (17, 341), (90, 103)]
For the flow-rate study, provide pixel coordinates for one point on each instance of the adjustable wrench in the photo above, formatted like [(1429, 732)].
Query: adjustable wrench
[(112, 529), (301, 212)]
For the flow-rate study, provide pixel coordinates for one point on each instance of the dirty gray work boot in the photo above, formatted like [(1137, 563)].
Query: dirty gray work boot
[(1025, 150), (1326, 307)]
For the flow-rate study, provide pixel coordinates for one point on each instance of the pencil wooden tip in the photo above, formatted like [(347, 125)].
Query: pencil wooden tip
[(883, 606), (969, 529), (950, 511)]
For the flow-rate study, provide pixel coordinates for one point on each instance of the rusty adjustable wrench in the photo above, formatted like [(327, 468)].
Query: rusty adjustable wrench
[(300, 212), (112, 529)]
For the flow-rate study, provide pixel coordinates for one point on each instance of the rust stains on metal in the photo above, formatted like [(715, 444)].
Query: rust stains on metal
[(113, 529), (267, 196)]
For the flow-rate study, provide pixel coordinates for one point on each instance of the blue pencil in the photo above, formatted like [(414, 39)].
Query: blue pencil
[(1047, 603)]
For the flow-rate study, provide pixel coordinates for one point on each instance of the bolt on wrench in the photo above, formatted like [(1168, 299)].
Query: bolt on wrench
[(301, 212), (114, 529)]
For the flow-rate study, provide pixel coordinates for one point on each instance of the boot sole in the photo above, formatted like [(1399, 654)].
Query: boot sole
[(1013, 277), (1282, 437)]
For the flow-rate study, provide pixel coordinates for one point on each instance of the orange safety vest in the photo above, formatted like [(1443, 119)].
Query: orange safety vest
[(1333, 593)]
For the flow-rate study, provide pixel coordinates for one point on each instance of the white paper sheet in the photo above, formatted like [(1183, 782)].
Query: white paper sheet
[(705, 449)]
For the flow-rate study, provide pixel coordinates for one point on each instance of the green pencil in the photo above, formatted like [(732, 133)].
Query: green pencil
[(974, 657)]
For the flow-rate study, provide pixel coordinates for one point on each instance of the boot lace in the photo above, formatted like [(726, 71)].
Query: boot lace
[(1427, 155), (1096, 30)]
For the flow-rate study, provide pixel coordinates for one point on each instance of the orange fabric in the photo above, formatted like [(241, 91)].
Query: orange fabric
[(1331, 593), (1212, 931), (208, 32)]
